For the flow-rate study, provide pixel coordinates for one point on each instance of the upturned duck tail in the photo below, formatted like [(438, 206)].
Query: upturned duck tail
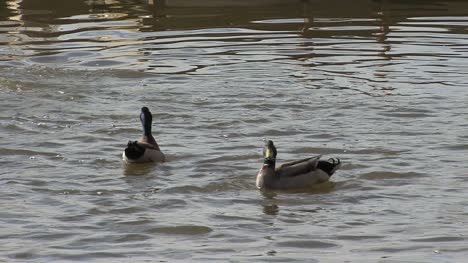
[(329, 166)]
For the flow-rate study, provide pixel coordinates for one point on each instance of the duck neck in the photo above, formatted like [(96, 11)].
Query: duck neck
[(147, 130), (270, 163), (266, 174), (146, 121)]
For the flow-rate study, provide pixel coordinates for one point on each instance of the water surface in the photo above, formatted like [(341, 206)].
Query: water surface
[(380, 84)]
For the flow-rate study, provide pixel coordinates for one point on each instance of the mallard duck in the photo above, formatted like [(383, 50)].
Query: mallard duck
[(146, 149), (293, 175)]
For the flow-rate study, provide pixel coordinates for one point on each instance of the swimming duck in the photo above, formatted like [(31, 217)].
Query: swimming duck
[(146, 149), (296, 174)]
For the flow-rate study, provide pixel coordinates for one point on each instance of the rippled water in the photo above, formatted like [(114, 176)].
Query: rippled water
[(380, 84)]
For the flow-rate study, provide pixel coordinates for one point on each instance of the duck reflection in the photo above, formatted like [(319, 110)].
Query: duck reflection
[(137, 169), (271, 209), (269, 203)]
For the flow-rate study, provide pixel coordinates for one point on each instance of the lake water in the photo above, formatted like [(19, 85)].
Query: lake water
[(382, 85)]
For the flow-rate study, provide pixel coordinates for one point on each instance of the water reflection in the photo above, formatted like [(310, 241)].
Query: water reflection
[(271, 209), (220, 3), (167, 36), (138, 169), (272, 199), (269, 203)]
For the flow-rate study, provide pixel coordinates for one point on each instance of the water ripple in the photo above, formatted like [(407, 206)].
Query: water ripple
[(379, 84)]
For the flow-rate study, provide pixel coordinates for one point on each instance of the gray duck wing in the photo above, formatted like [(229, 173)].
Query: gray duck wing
[(299, 167), (146, 145)]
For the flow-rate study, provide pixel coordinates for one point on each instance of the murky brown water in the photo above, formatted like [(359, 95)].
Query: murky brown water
[(380, 84)]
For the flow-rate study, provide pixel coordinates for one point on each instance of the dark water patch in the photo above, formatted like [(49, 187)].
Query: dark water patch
[(21, 127), (233, 218), (359, 237), (48, 237), (409, 133), (438, 239), (456, 147), (125, 210), (88, 256), (384, 175), (307, 244), (132, 238), (406, 115), (73, 218), (37, 182), (50, 144), (171, 204), (321, 136), (99, 63), (357, 223), (25, 254), (135, 222), (399, 249), (181, 230)]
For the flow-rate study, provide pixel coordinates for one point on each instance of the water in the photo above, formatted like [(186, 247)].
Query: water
[(380, 84)]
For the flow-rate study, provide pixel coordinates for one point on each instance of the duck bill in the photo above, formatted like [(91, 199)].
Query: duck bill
[(269, 154), (269, 158)]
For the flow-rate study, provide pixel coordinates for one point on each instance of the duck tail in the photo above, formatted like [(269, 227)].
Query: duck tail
[(329, 166), (133, 150)]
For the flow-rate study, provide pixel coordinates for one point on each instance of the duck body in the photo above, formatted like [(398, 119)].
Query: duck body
[(139, 152), (146, 149), (293, 175)]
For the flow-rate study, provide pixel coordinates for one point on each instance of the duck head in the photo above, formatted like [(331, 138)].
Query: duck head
[(267, 171), (146, 119), (269, 153)]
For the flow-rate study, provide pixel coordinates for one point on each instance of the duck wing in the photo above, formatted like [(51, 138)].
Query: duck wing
[(299, 167), (136, 149), (147, 145)]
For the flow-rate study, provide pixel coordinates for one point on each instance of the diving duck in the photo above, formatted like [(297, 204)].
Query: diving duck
[(146, 149), (296, 174)]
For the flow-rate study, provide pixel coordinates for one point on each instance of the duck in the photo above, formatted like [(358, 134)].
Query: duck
[(298, 174), (146, 149)]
